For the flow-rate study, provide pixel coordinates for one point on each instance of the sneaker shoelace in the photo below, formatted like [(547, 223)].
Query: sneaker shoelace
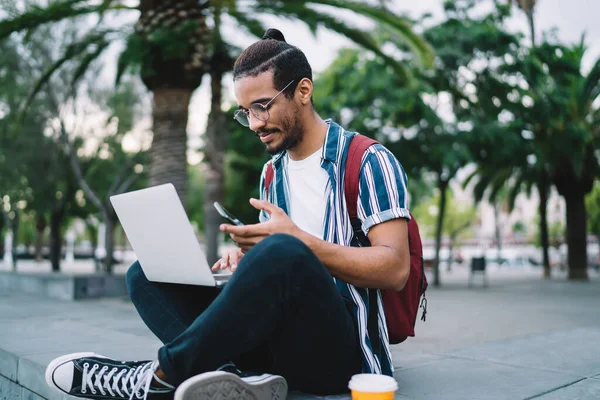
[(126, 381)]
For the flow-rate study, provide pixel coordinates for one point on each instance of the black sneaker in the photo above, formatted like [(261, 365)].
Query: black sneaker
[(94, 376), (229, 383)]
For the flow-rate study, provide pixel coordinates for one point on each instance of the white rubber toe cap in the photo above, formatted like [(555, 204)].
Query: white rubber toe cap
[(63, 376), (59, 373)]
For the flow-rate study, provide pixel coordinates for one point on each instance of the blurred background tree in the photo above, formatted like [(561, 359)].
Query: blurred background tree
[(173, 45), (493, 113), (458, 218)]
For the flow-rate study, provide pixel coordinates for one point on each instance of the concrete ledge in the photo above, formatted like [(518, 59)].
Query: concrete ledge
[(64, 286), (553, 364)]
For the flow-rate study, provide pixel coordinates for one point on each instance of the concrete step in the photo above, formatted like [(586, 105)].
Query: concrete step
[(64, 286)]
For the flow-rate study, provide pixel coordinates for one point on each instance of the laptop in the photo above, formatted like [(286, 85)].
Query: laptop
[(162, 237)]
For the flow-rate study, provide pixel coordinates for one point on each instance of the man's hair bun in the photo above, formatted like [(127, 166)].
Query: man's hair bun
[(274, 34)]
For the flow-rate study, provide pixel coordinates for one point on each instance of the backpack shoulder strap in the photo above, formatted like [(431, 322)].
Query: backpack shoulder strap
[(268, 178), (358, 145)]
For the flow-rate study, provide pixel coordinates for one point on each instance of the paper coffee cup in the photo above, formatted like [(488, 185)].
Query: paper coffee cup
[(372, 387)]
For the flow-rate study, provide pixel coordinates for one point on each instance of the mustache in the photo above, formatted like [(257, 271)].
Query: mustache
[(264, 132)]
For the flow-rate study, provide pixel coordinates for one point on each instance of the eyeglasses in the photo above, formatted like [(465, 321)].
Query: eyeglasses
[(260, 111)]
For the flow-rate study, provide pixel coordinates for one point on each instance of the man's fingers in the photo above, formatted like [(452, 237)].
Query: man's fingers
[(234, 258), (225, 261), (242, 241), (228, 228), (269, 208), (245, 230), (217, 265)]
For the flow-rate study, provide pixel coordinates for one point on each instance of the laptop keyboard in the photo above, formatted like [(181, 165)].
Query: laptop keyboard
[(222, 277)]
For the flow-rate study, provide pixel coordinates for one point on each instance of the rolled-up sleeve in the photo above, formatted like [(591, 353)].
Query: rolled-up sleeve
[(382, 188)]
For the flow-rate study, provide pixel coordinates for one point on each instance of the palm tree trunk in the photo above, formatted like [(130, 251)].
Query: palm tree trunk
[(215, 171), (443, 185), (2, 223), (40, 227), (15, 230), (168, 163), (56, 218), (498, 233), (530, 19), (214, 150), (109, 243), (450, 254), (576, 234), (544, 236)]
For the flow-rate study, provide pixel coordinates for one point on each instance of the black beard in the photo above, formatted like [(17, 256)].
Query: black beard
[(293, 137)]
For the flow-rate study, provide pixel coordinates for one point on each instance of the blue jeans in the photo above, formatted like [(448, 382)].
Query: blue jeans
[(280, 313)]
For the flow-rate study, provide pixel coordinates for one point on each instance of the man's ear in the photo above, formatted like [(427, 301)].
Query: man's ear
[(305, 90)]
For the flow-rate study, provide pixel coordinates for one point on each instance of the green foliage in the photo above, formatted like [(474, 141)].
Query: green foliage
[(592, 206), (519, 228), (195, 196), (164, 44), (401, 27), (557, 106), (86, 50), (556, 233), (36, 15), (26, 230), (36, 157)]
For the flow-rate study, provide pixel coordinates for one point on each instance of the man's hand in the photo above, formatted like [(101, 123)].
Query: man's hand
[(248, 236), (229, 261)]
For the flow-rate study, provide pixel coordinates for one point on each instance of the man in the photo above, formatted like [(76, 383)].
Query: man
[(297, 304)]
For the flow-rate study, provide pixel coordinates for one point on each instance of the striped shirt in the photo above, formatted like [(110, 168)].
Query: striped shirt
[(382, 197)]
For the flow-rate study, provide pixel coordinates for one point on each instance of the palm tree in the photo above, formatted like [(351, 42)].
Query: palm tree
[(564, 122), (505, 169), (173, 47), (543, 183), (576, 167)]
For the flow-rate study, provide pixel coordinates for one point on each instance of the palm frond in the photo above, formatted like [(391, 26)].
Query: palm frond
[(420, 47), (481, 187), (254, 26), (313, 19), (591, 88), (88, 59), (130, 56), (470, 177), (498, 182), (55, 11), (529, 187), (98, 38), (515, 190)]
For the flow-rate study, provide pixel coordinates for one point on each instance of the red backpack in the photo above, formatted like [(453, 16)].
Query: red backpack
[(401, 307)]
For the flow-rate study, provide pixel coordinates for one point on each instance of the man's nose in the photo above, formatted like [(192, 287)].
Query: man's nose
[(255, 123)]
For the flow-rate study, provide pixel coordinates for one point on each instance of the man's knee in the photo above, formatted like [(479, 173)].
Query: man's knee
[(285, 251), (135, 275), (284, 245)]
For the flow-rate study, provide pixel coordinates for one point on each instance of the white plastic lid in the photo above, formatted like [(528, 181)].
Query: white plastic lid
[(373, 383)]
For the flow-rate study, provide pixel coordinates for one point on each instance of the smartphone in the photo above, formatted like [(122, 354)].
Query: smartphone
[(227, 215)]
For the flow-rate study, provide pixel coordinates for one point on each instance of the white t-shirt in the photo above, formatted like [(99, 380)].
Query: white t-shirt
[(307, 186)]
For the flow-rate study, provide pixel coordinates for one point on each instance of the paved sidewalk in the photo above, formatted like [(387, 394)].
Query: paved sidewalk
[(521, 338)]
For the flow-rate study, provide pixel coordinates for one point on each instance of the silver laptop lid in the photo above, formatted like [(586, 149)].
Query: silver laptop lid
[(162, 236)]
